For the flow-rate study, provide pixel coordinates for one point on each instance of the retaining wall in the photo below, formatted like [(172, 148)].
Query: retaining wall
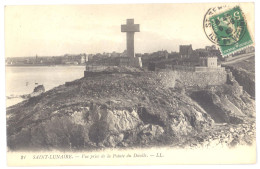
[(202, 79), (189, 79)]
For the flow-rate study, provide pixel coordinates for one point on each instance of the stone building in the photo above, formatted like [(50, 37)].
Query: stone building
[(84, 58), (208, 51), (209, 48), (208, 62), (185, 51)]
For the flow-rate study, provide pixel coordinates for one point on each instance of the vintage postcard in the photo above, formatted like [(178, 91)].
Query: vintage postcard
[(130, 84)]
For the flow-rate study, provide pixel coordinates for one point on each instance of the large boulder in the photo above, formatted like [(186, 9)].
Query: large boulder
[(108, 125), (148, 133), (37, 91)]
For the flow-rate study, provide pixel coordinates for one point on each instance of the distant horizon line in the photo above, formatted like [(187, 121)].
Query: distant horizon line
[(101, 53)]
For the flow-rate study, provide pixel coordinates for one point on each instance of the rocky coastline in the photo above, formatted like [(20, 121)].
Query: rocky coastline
[(129, 107)]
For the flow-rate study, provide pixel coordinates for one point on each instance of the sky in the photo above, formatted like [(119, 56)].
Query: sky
[(54, 30)]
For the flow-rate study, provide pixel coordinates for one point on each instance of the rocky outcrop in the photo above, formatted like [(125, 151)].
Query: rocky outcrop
[(244, 78), (226, 103), (148, 133), (225, 135), (37, 91), (125, 110)]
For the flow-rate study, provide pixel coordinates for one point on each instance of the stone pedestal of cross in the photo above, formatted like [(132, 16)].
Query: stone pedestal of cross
[(130, 28)]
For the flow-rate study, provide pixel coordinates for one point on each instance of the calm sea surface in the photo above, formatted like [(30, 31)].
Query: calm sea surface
[(22, 80)]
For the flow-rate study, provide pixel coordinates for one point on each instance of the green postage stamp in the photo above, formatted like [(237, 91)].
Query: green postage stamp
[(231, 31)]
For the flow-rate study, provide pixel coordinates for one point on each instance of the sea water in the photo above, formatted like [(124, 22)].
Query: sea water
[(22, 80)]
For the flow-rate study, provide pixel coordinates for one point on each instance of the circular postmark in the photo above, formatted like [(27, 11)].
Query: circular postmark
[(224, 26)]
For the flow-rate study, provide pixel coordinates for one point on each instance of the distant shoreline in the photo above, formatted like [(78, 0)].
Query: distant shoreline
[(42, 65)]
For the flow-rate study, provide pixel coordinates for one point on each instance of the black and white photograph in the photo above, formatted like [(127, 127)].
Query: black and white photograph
[(137, 84)]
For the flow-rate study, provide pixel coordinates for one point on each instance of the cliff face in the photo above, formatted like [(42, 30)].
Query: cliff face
[(129, 109), (244, 78), (244, 73), (225, 106)]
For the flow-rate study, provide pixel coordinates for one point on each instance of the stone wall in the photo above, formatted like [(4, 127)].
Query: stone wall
[(208, 69), (184, 68), (202, 79), (133, 62), (189, 79), (93, 74), (195, 68), (95, 68), (167, 79)]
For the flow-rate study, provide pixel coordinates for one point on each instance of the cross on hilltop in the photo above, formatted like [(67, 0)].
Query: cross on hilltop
[(130, 28)]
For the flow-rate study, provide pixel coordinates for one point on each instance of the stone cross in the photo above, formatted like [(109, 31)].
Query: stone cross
[(130, 28)]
